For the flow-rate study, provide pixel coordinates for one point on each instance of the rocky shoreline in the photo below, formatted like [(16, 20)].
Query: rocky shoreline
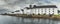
[(35, 16)]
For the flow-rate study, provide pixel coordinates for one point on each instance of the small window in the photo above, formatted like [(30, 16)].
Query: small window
[(53, 11), (45, 10), (49, 11)]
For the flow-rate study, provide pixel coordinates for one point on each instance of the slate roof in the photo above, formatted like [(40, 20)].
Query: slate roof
[(45, 6)]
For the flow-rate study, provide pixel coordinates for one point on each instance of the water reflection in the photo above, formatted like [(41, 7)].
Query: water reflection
[(20, 20)]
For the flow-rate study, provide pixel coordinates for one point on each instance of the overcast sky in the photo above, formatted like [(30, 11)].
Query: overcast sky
[(11, 5)]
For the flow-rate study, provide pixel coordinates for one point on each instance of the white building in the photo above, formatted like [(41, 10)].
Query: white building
[(46, 9)]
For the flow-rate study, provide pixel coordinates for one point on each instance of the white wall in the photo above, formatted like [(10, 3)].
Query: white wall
[(47, 10), (55, 11), (42, 9)]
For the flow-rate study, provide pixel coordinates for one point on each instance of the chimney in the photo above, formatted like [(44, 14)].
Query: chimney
[(34, 6), (30, 6)]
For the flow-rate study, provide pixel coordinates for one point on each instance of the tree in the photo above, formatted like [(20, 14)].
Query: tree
[(44, 14), (58, 11), (38, 14), (33, 14)]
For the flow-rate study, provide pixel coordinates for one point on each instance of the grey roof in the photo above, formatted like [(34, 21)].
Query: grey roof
[(45, 6)]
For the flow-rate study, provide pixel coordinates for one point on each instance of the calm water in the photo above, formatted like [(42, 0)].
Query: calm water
[(18, 20)]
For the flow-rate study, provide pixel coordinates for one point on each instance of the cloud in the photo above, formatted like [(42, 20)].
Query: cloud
[(12, 5), (2, 2)]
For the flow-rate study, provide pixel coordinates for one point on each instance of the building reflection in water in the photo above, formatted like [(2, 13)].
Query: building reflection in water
[(20, 20), (36, 21)]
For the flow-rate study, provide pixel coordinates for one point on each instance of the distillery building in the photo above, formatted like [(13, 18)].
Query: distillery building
[(44, 9)]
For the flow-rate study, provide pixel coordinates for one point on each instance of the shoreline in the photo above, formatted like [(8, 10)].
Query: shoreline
[(35, 16)]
